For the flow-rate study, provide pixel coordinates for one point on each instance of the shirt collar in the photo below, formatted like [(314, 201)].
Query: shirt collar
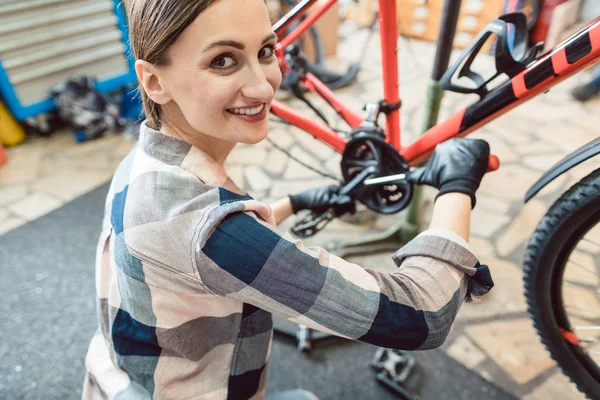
[(174, 151)]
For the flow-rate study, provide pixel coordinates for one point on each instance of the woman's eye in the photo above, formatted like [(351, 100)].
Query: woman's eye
[(267, 51), (223, 62)]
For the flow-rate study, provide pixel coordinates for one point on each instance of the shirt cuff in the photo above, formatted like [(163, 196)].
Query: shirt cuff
[(448, 247)]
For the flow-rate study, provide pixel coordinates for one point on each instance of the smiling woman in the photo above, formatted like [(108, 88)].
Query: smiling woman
[(212, 83), (189, 267)]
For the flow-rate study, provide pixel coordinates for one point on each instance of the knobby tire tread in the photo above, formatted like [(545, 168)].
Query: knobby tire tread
[(546, 235)]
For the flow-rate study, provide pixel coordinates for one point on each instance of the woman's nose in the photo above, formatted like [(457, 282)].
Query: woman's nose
[(257, 86)]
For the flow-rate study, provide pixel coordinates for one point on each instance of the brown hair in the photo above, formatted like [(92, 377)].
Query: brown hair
[(154, 25)]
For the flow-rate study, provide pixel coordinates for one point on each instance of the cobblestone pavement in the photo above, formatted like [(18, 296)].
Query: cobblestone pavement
[(494, 338)]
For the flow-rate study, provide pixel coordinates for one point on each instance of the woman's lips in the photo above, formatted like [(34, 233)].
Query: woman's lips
[(251, 116)]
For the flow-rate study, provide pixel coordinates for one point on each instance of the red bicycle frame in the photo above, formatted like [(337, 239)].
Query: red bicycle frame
[(573, 55), (389, 35)]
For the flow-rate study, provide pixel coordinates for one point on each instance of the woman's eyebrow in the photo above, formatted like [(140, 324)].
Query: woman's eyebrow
[(270, 36), (235, 44)]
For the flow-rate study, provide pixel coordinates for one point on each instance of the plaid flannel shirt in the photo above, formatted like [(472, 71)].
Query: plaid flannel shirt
[(189, 269)]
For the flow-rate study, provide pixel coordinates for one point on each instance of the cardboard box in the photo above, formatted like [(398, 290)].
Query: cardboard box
[(421, 20), (562, 23)]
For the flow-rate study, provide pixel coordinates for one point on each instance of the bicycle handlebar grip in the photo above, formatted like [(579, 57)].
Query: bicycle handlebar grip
[(493, 163)]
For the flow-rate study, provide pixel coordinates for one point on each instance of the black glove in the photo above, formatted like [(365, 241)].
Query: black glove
[(456, 165), (321, 199)]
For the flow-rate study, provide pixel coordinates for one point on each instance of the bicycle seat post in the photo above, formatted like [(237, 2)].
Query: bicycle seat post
[(370, 124), (373, 110)]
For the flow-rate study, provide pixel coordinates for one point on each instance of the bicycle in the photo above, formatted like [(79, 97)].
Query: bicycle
[(374, 160), (527, 79)]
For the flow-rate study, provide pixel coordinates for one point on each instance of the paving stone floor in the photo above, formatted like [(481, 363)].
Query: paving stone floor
[(494, 338)]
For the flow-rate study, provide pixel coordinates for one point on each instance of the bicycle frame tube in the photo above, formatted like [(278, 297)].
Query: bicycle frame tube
[(320, 89), (568, 58), (304, 25), (292, 15), (318, 130), (389, 40), (389, 59)]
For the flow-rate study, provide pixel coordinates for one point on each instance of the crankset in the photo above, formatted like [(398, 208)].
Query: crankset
[(374, 174), (368, 152)]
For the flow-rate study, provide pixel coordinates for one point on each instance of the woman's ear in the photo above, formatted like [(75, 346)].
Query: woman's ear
[(150, 78)]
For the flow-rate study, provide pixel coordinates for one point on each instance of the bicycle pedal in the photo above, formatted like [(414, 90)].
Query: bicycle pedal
[(395, 365), (312, 223)]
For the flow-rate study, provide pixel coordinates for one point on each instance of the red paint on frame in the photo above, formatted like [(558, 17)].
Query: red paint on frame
[(319, 131)]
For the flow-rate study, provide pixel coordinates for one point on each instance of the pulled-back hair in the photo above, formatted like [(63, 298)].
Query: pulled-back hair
[(154, 25)]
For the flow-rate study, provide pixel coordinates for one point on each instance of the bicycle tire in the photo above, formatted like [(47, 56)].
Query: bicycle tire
[(547, 253)]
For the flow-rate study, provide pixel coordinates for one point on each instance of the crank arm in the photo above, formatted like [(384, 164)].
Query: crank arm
[(493, 165), (360, 177), (384, 179)]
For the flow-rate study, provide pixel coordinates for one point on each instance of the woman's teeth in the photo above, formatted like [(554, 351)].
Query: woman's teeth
[(247, 111)]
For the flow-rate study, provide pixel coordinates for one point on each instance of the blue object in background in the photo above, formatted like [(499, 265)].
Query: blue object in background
[(595, 82), (80, 136), (131, 104), (509, 7), (22, 111)]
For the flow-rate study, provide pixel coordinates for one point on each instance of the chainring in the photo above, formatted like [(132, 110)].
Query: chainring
[(365, 150)]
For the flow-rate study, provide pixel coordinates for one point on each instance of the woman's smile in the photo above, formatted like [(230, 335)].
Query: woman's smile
[(254, 113)]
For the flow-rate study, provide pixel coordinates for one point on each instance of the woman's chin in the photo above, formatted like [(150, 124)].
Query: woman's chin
[(255, 137)]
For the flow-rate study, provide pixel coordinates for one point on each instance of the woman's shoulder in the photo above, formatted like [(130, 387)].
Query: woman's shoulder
[(144, 190)]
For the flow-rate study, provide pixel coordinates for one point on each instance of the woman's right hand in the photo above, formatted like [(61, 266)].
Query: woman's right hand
[(456, 166)]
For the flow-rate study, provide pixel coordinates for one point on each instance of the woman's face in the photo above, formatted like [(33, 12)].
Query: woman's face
[(222, 73)]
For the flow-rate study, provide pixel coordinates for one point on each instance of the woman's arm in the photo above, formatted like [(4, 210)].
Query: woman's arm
[(452, 211), (282, 209), (240, 257), (411, 308)]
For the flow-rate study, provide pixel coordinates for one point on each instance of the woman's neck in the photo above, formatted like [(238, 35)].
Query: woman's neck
[(217, 149)]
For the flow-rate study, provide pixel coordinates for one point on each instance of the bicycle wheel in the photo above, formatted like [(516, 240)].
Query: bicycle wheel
[(562, 283)]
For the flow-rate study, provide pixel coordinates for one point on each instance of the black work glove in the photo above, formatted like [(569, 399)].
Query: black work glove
[(456, 165), (320, 199)]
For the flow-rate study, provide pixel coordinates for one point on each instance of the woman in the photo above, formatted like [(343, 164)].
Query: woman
[(190, 268)]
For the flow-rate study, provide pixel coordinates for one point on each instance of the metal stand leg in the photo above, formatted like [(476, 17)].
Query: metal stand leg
[(305, 336), (389, 240), (432, 110), (435, 95)]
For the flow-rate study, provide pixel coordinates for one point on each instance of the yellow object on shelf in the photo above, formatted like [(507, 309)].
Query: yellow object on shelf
[(11, 133)]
